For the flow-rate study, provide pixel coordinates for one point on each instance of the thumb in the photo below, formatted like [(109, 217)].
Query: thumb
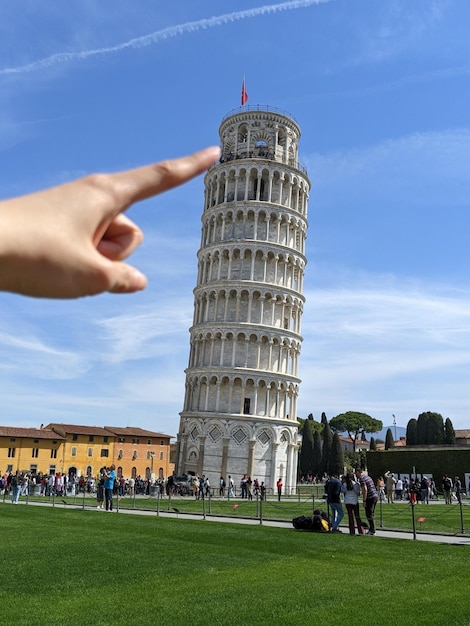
[(124, 278)]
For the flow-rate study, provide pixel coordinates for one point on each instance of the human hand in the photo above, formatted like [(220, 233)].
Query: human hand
[(70, 241)]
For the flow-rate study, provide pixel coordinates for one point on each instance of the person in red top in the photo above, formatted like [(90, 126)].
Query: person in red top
[(279, 489)]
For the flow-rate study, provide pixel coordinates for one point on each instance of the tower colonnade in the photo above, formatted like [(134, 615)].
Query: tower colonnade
[(262, 351), (252, 305), (242, 384), (259, 183), (254, 263)]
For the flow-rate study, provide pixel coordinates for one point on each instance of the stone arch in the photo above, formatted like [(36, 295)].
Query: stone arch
[(262, 139), (239, 434), (237, 395)]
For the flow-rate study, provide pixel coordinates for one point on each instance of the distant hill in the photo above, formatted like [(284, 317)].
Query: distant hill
[(400, 430)]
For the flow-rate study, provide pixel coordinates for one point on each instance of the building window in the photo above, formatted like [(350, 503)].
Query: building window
[(35, 453), (9, 469), (246, 406), (120, 454), (90, 451), (35, 440), (11, 453), (13, 440), (122, 440), (33, 468), (52, 470), (135, 441), (104, 452), (161, 456), (74, 437), (162, 442), (91, 438), (105, 439), (54, 453), (74, 451), (134, 456), (149, 442)]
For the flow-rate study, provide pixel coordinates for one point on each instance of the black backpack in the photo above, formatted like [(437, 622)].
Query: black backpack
[(303, 522)]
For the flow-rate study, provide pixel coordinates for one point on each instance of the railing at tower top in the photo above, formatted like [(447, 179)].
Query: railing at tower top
[(260, 152), (246, 108)]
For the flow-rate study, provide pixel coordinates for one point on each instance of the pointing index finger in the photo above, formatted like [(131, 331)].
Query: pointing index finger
[(144, 182)]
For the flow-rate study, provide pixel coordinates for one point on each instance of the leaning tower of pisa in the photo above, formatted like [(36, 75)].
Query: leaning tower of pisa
[(242, 383)]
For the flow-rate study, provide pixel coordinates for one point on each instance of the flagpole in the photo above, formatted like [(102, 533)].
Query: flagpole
[(244, 95)]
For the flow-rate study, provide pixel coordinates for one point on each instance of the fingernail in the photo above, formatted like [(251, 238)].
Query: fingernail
[(137, 281)]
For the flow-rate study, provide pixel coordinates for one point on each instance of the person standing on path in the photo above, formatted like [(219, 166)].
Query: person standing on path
[(100, 489), (369, 498), (351, 491), (334, 502), (109, 478), (279, 489)]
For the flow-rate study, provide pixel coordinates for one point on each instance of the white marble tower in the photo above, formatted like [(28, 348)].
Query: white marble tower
[(242, 383)]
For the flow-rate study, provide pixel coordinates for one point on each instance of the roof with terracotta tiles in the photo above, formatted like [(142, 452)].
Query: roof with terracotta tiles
[(32, 433), (132, 431), (75, 429)]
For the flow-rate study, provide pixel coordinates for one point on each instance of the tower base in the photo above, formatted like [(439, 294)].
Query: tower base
[(222, 446)]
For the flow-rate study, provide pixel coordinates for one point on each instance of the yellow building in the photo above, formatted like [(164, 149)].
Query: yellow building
[(134, 451), (143, 453), (82, 450), (32, 450), (85, 449)]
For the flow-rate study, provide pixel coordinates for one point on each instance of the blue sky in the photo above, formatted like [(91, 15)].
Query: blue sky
[(380, 90)]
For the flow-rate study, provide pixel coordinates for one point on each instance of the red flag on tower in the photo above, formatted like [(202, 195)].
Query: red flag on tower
[(244, 94)]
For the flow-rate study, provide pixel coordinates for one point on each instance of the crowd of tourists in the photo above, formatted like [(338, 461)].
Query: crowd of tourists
[(352, 487), (200, 487), (17, 484)]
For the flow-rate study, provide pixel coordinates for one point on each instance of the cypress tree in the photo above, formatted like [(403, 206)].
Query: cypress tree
[(412, 432), (389, 440), (327, 439), (422, 435), (316, 453), (372, 445), (449, 433), (435, 429), (306, 449), (336, 460)]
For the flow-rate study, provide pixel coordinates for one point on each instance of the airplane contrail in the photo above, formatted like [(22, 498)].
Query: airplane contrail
[(161, 35)]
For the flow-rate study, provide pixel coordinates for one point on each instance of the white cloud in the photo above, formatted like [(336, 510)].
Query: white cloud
[(158, 36), (398, 28), (32, 357), (411, 162), (147, 333), (387, 348)]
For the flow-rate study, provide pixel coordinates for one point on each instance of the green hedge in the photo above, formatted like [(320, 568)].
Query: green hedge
[(437, 461)]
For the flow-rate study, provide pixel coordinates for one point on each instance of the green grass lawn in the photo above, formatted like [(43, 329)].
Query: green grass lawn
[(65, 565)]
